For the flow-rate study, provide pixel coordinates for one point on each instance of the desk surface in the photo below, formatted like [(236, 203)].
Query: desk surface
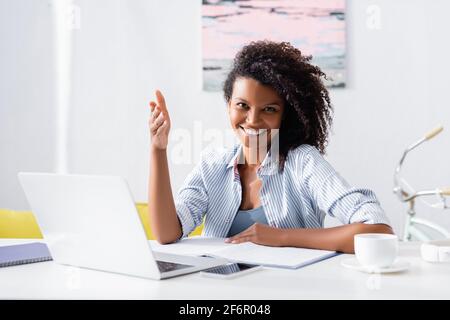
[(323, 280)]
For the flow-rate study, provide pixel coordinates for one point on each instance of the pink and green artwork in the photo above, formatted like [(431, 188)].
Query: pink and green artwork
[(316, 27)]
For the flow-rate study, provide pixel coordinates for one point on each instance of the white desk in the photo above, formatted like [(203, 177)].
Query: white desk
[(324, 280)]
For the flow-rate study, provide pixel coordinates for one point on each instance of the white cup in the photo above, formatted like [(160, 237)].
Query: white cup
[(376, 250)]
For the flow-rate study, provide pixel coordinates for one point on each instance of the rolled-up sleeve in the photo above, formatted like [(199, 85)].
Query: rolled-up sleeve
[(192, 201), (333, 194)]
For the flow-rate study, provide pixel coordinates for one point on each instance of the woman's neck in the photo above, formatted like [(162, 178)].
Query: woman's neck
[(253, 158)]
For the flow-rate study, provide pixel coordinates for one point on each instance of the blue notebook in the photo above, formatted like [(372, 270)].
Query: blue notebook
[(23, 254)]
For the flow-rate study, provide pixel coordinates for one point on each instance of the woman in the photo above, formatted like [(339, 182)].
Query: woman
[(274, 188)]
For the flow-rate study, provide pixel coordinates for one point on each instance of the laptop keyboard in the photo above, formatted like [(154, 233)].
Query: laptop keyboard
[(165, 266)]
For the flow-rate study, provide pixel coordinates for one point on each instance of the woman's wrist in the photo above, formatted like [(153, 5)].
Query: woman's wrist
[(157, 150), (285, 238)]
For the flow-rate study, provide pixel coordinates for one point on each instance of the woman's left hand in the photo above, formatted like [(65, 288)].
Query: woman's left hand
[(260, 234)]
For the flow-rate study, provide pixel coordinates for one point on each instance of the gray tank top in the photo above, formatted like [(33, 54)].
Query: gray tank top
[(245, 218)]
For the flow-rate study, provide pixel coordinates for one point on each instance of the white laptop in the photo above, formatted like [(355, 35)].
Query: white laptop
[(92, 222)]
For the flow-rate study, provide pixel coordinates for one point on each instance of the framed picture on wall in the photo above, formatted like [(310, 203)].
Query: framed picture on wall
[(316, 27)]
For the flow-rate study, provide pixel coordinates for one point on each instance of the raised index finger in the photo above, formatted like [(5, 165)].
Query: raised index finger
[(161, 101)]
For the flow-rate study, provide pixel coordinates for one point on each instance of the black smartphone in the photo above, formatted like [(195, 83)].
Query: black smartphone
[(229, 271)]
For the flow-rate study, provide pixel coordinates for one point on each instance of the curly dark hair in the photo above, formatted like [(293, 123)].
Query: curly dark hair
[(308, 112)]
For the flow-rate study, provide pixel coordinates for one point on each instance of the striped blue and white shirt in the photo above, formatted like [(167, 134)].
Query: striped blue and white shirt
[(298, 197)]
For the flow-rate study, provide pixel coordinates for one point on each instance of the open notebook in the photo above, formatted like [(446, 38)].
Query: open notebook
[(247, 252), (281, 257), (24, 253)]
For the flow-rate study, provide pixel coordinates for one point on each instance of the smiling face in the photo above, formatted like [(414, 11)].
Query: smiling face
[(254, 110)]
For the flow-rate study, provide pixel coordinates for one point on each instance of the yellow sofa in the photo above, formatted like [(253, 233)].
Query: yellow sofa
[(22, 224)]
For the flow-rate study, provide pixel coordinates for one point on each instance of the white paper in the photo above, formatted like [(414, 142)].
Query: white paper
[(193, 246)]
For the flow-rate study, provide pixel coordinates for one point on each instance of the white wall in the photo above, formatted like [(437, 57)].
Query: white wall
[(27, 110), (125, 49)]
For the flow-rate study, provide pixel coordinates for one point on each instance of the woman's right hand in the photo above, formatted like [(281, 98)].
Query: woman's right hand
[(159, 122)]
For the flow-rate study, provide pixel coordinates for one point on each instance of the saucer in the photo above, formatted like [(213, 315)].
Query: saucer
[(397, 266)]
